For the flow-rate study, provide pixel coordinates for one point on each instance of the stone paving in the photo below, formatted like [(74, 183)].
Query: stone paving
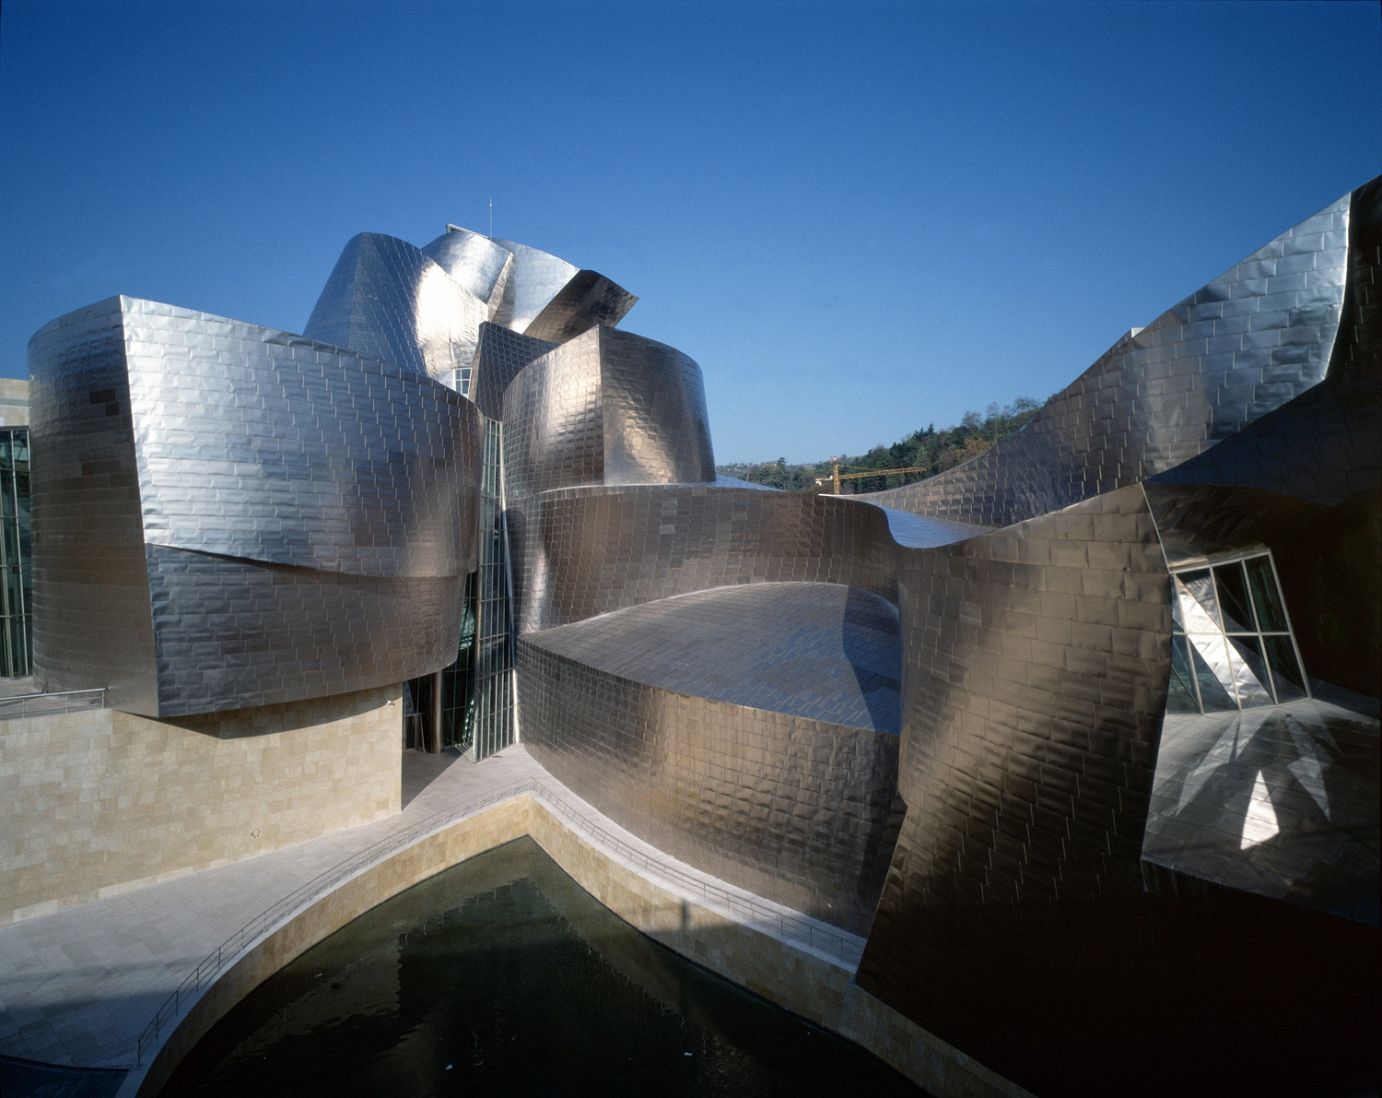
[(78, 986)]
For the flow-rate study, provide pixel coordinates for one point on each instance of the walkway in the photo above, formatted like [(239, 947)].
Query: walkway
[(79, 986)]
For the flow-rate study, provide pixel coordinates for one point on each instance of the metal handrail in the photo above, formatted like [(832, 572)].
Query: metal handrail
[(742, 907), (84, 700)]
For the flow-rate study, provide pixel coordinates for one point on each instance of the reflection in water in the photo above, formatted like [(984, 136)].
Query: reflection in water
[(502, 976)]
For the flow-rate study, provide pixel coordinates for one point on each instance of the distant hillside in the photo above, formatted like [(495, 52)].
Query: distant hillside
[(932, 451)]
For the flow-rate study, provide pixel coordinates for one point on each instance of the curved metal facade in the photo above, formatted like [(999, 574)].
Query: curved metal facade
[(606, 408), (280, 519), (588, 551), (1246, 343), (1023, 900), (750, 731), (937, 715), (385, 299)]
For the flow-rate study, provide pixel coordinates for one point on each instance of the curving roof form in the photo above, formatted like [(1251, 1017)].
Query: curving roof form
[(1257, 336), (606, 407), (388, 300), (819, 650), (479, 265), (580, 552), (424, 307)]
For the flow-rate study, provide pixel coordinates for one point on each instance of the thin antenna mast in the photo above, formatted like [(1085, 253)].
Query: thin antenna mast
[(491, 216)]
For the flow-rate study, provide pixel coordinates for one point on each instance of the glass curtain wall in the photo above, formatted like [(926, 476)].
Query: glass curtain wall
[(495, 724), (1232, 646), (477, 690), (16, 639)]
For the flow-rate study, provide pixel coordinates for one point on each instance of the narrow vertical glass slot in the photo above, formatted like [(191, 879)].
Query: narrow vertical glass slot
[(1231, 587), (1286, 672), (1265, 594), (1250, 672), (1180, 691), (494, 628), (16, 640)]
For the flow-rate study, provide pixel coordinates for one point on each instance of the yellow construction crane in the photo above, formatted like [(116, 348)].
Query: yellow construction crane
[(836, 476)]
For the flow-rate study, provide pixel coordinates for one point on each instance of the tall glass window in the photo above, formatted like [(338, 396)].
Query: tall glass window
[(495, 725), (16, 574), (477, 707), (1232, 646)]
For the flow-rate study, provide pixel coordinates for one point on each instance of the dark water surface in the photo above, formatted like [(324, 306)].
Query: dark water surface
[(502, 976)]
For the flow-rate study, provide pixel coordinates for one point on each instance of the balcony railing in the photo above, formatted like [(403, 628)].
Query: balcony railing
[(44, 705)]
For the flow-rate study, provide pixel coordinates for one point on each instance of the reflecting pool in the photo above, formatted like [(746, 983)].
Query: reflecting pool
[(502, 976)]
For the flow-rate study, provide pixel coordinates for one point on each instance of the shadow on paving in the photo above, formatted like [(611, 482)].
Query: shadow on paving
[(26, 1079)]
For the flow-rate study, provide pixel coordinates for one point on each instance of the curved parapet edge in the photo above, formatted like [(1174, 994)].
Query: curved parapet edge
[(798, 810), (586, 551), (1254, 338)]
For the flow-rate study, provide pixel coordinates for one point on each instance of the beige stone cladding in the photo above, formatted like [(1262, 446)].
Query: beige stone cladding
[(14, 402), (98, 801)]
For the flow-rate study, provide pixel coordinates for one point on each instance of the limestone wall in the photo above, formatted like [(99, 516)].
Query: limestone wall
[(98, 801)]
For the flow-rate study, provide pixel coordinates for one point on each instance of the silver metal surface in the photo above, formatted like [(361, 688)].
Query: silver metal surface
[(498, 360), (1278, 801), (386, 299), (937, 721), (820, 650), (231, 516), (606, 408), (476, 263), (589, 299), (536, 278), (1248, 342), (795, 809), (587, 551)]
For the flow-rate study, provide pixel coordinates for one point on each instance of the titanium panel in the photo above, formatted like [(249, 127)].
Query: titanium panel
[(1306, 482), (1248, 342), (588, 551), (816, 650), (587, 300), (304, 517), (233, 633), (475, 262), (1280, 801), (386, 299), (656, 429), (92, 621), (264, 445), (535, 278), (499, 358), (795, 809), (606, 408), (1037, 659)]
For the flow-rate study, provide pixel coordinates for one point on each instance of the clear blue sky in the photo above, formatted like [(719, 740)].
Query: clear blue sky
[(857, 217)]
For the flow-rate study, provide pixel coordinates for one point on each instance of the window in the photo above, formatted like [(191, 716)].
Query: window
[(16, 578), (1232, 646)]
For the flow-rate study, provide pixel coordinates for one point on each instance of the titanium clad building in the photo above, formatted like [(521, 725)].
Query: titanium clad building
[(1080, 736)]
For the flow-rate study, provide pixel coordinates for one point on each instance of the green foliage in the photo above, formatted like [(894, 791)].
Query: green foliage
[(928, 449)]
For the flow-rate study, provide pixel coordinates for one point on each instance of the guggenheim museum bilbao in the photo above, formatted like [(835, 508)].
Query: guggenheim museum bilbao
[(1081, 736)]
